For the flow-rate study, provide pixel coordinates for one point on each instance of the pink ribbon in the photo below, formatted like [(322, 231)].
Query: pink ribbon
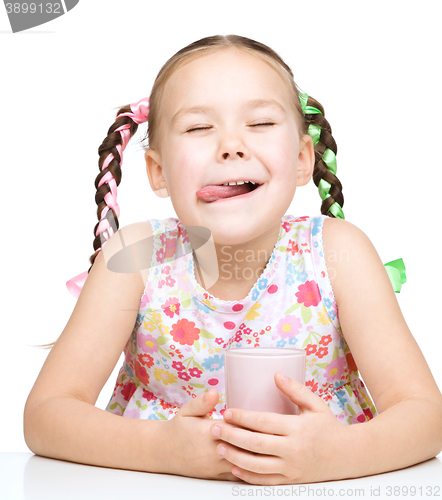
[(140, 112)]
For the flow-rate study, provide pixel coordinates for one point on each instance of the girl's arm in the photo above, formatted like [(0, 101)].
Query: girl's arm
[(271, 449), (60, 419), (408, 429)]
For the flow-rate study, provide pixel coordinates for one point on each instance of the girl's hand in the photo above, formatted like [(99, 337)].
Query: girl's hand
[(189, 449), (272, 449)]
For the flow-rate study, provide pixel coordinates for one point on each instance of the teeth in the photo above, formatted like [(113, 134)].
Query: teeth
[(237, 183)]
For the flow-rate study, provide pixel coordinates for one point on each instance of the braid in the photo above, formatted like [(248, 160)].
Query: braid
[(111, 156), (324, 173)]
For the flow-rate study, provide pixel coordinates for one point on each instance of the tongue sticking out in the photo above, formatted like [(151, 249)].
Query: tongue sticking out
[(213, 193)]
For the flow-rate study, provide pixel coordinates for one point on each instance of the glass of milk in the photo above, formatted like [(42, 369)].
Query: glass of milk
[(250, 382)]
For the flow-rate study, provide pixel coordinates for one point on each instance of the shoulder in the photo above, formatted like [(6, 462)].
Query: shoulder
[(352, 260), (129, 250)]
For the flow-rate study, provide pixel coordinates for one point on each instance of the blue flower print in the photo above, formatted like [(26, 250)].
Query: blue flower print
[(262, 283), (255, 294), (156, 225), (327, 302), (317, 221), (280, 343), (214, 363), (153, 417), (129, 370), (290, 280), (201, 306), (302, 276), (291, 269), (341, 398), (293, 340)]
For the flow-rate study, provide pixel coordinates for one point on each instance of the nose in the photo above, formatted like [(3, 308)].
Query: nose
[(232, 146)]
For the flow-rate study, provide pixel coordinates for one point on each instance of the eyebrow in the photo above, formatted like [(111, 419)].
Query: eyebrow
[(253, 104)]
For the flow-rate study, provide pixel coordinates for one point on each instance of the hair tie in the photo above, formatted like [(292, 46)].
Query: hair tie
[(140, 111)]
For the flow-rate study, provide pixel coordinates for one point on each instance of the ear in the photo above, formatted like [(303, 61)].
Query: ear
[(155, 173), (306, 160)]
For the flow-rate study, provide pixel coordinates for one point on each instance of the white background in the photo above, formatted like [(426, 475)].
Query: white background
[(375, 67)]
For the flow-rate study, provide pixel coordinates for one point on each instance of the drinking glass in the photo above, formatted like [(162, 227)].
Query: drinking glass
[(250, 382)]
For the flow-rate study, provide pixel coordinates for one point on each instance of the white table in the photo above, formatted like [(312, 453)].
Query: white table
[(30, 477)]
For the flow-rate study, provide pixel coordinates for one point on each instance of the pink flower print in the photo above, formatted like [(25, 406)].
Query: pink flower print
[(286, 226), (301, 219), (357, 419), (147, 343), (184, 332), (335, 369), (141, 373), (145, 360), (128, 390), (131, 413), (351, 362), (322, 351), (292, 248), (170, 281), (171, 307), (184, 376), (148, 395), (170, 248), (178, 366), (147, 296), (288, 326), (325, 340), (309, 294), (310, 349), (195, 372), (312, 384), (368, 413), (166, 269), (160, 255), (219, 340)]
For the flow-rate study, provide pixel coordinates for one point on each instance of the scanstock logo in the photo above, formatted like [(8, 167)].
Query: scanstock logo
[(25, 14)]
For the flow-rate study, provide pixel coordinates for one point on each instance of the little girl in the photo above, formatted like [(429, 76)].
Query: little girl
[(230, 139)]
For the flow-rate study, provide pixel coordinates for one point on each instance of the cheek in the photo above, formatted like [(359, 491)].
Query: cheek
[(280, 154)]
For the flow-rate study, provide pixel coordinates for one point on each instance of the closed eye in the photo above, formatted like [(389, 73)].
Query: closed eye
[(201, 128), (258, 124)]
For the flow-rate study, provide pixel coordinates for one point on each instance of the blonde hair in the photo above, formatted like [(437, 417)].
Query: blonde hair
[(207, 46)]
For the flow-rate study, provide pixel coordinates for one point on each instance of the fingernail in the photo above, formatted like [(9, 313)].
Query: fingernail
[(228, 415), (236, 472), (215, 431), (284, 378), (222, 451), (205, 397)]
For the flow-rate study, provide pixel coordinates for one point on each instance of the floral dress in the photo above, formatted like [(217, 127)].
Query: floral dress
[(177, 347)]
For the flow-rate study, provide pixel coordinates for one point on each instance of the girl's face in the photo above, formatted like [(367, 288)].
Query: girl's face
[(231, 139)]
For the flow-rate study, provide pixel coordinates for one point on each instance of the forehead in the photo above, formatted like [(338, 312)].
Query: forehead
[(226, 76)]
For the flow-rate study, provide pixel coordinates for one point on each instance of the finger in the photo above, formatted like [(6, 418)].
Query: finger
[(266, 422), (300, 394), (259, 479), (256, 442), (260, 464), (201, 405)]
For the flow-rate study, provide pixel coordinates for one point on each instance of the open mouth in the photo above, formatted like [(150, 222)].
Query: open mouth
[(210, 194)]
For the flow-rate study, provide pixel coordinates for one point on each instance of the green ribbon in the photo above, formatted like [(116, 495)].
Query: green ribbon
[(329, 158), (396, 268), (396, 272)]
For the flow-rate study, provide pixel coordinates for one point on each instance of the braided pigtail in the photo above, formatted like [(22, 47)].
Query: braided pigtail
[(111, 157), (109, 178), (324, 173)]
